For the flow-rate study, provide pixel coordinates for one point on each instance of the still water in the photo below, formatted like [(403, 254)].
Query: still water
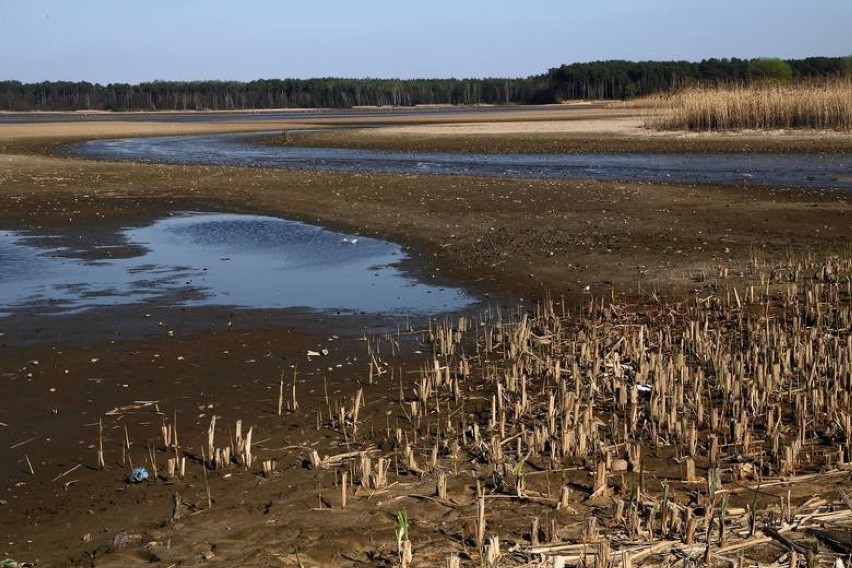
[(204, 259)]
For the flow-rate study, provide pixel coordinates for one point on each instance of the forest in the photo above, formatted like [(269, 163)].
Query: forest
[(614, 79)]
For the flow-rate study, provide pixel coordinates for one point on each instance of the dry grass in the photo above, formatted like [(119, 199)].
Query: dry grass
[(824, 105)]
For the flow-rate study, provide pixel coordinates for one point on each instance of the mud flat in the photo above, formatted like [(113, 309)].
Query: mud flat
[(474, 425)]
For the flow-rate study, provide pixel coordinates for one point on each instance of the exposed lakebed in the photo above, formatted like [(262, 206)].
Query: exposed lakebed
[(830, 171), (212, 259)]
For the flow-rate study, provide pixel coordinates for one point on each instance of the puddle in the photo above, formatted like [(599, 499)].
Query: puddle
[(212, 259)]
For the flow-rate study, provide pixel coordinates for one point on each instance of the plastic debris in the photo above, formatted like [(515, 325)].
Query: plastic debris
[(138, 475)]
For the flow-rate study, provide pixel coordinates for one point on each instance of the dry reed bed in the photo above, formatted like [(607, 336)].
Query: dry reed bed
[(607, 435), (751, 387), (825, 105)]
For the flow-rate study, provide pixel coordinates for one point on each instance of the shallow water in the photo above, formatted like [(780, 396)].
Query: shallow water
[(206, 259), (832, 171), (259, 115)]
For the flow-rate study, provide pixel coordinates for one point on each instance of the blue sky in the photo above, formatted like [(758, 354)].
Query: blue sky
[(122, 41)]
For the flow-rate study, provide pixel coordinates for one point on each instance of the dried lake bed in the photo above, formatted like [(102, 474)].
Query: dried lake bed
[(663, 246)]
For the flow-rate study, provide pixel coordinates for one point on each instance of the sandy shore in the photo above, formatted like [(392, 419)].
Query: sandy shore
[(509, 239), (629, 126), (608, 130)]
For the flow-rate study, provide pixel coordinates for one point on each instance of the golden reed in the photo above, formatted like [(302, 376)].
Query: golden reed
[(822, 105)]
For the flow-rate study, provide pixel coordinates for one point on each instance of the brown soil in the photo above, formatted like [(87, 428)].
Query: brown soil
[(506, 238)]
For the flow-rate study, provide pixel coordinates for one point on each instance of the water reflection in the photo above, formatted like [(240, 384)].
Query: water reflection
[(195, 259)]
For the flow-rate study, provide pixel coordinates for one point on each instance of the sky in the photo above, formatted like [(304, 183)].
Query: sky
[(108, 41)]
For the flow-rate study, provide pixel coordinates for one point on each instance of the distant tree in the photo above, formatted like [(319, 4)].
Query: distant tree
[(769, 69), (593, 80)]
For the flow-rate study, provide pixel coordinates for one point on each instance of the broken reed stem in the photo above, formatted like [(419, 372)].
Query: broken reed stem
[(206, 480), (176, 503), (327, 400), (281, 394), (534, 530), (480, 523), (359, 398), (175, 432), (166, 431), (63, 474), (180, 463), (211, 448), (441, 484), (689, 471), (126, 447), (101, 464), (268, 467), (295, 402), (153, 459)]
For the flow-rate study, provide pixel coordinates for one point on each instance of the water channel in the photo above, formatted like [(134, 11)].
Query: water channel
[(829, 171)]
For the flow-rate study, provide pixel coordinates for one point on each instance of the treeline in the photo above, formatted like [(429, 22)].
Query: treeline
[(628, 79), (263, 94), (596, 80)]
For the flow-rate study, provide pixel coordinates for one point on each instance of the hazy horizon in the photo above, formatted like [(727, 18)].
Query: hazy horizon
[(187, 40)]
